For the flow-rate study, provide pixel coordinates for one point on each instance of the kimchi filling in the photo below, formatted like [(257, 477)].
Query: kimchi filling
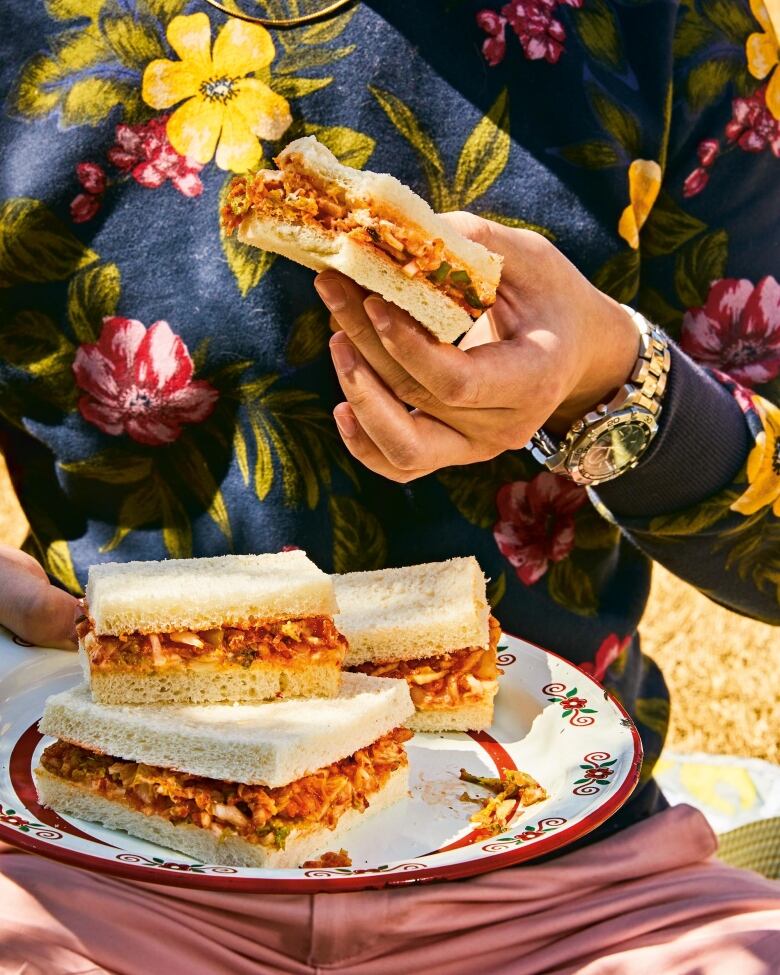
[(253, 812), (302, 198), (468, 676), (313, 639)]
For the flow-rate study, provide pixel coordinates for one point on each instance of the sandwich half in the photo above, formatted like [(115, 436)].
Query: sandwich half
[(430, 625), (230, 628), (253, 785), (370, 227)]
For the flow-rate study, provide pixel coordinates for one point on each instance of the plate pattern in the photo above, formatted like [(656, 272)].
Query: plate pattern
[(552, 720)]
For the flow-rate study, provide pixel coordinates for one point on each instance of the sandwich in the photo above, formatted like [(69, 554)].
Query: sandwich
[(370, 227), (251, 785), (430, 625), (231, 628)]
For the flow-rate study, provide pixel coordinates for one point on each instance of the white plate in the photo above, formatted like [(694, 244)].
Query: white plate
[(552, 721)]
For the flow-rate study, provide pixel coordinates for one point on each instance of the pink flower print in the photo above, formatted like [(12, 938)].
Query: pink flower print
[(752, 125), (737, 330), (139, 381), (540, 33), (494, 45), (536, 523), (84, 206), (608, 652), (696, 182), (145, 153)]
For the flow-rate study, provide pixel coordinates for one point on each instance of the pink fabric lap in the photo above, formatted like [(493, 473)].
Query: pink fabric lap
[(649, 899)]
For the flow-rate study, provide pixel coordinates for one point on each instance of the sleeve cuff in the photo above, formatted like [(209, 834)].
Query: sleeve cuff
[(702, 442)]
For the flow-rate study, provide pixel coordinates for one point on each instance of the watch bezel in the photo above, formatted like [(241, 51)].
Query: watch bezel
[(586, 439)]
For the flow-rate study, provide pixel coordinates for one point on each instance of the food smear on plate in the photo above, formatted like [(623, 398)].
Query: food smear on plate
[(515, 787)]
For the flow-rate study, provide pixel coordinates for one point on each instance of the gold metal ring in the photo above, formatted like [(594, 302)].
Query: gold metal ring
[(283, 23)]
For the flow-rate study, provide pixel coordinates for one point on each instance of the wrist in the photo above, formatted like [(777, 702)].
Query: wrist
[(613, 344)]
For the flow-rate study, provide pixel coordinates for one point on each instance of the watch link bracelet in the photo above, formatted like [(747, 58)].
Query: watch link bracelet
[(612, 438)]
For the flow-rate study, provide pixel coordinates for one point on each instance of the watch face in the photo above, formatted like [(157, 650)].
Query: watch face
[(614, 449)]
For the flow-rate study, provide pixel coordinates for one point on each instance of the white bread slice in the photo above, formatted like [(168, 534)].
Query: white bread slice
[(470, 717), (265, 744), (370, 267), (372, 270), (70, 799), (412, 612), (200, 594), (192, 683)]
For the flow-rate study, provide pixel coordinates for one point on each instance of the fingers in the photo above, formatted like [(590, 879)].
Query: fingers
[(409, 441), (345, 300), (366, 451), (30, 606)]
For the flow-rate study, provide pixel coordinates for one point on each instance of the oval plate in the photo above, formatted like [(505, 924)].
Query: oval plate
[(552, 721)]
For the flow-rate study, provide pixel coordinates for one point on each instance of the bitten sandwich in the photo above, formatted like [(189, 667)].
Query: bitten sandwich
[(253, 785), (370, 227), (430, 625), (231, 628)]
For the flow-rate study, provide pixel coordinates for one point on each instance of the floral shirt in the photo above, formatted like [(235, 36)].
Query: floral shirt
[(166, 391)]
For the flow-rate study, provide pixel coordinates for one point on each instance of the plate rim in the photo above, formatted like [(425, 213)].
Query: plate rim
[(313, 885)]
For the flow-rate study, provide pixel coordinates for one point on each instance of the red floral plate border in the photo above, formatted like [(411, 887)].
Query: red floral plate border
[(561, 702)]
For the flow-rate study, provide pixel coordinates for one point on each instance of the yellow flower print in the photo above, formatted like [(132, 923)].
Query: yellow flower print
[(763, 466), (223, 105), (763, 52), (644, 184)]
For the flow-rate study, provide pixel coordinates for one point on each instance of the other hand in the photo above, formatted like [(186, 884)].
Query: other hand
[(551, 348), (30, 606)]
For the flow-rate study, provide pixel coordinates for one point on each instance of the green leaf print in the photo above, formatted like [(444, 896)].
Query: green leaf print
[(351, 147), (594, 154), (619, 276), (484, 155), (35, 246), (668, 227), (598, 31), (496, 590), (309, 336), (698, 265), (93, 294), (693, 520), (571, 587), (617, 120), (653, 713), (706, 82), (359, 542), (473, 488)]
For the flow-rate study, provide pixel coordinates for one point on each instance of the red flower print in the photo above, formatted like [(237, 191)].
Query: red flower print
[(145, 153), (84, 207), (597, 773), (696, 182), (707, 151), (752, 125), (93, 178), (494, 45), (737, 330), (138, 381), (540, 34), (611, 648), (536, 523), (573, 703)]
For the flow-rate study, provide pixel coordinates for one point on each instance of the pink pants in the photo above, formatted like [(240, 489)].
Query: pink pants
[(649, 900)]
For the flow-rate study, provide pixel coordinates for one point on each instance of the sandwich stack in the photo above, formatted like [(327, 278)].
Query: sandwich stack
[(145, 746)]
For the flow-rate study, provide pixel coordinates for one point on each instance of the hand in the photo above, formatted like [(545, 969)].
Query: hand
[(30, 606), (551, 348)]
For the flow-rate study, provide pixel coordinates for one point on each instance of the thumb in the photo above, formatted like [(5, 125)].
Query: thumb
[(30, 606)]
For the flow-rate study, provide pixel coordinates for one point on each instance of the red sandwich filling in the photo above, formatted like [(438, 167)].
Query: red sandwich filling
[(254, 812), (302, 198), (288, 643), (451, 680)]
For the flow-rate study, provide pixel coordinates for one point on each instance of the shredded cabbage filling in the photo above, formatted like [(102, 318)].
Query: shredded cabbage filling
[(253, 812), (302, 198), (288, 642), (451, 680)]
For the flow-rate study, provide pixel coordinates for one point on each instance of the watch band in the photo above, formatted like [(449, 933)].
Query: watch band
[(643, 393)]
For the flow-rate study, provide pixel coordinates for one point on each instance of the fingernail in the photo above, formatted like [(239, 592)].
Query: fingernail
[(343, 356), (346, 423), (331, 292), (376, 310)]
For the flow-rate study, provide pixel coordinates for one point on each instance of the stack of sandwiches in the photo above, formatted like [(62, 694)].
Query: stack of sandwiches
[(264, 779), (216, 719)]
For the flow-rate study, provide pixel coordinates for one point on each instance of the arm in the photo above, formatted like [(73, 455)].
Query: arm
[(552, 347)]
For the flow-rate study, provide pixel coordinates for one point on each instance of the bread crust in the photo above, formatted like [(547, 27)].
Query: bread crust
[(70, 799), (470, 717), (268, 744), (204, 593), (412, 612)]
